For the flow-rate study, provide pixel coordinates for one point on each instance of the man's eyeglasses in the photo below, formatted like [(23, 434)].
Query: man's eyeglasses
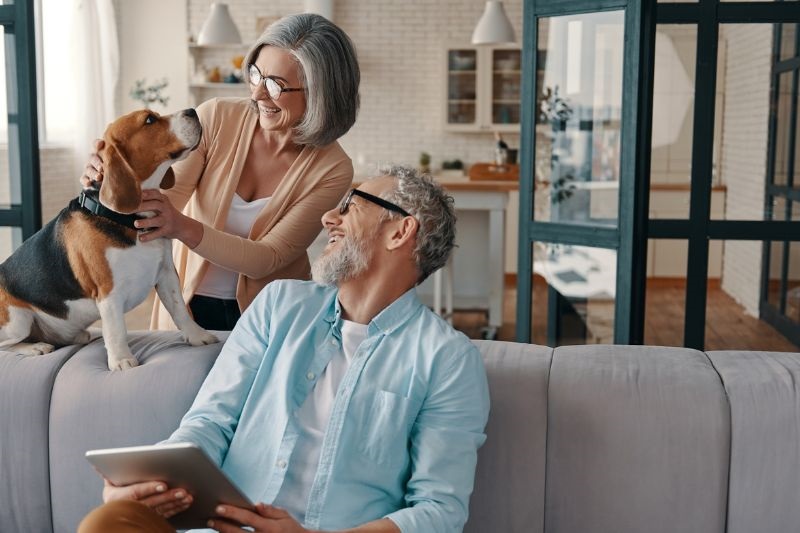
[(274, 89), (372, 198)]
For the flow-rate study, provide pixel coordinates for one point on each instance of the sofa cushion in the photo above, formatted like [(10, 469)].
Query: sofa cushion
[(764, 392), (637, 440), (26, 384), (93, 407), (509, 482)]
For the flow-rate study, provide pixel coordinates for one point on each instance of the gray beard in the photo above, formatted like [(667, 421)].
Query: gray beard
[(348, 262)]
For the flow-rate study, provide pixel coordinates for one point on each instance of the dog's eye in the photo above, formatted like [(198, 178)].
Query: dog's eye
[(151, 119)]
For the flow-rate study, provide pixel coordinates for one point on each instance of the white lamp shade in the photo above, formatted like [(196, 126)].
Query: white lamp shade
[(219, 27), (494, 26)]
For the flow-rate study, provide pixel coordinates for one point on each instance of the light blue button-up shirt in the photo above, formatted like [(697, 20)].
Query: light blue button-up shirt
[(405, 426)]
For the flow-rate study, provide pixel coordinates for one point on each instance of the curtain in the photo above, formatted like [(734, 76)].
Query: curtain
[(96, 60)]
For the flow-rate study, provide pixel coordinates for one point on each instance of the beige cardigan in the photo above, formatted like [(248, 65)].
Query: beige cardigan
[(204, 186)]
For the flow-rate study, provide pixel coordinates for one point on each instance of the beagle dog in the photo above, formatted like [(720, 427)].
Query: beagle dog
[(88, 263)]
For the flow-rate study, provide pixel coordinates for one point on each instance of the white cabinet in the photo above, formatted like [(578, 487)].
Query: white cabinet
[(482, 88), (203, 59)]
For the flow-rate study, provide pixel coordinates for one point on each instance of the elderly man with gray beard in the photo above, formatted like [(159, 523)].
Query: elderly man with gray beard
[(343, 403)]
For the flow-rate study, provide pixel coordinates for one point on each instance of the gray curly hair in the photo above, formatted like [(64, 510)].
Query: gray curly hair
[(328, 70), (426, 200)]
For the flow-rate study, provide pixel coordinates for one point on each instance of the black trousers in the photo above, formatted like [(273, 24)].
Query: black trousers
[(214, 313)]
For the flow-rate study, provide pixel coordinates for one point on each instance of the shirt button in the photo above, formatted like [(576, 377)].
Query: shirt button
[(310, 376), (333, 341), (281, 464)]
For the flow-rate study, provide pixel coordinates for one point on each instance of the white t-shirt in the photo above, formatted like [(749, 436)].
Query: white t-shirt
[(313, 417), (220, 282)]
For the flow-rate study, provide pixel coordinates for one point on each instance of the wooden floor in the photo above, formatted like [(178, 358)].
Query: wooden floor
[(727, 324)]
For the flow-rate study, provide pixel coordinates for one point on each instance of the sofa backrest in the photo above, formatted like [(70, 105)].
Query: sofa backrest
[(584, 438), (94, 408)]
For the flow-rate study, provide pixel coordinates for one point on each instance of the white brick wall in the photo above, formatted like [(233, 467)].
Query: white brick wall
[(744, 152), (401, 46)]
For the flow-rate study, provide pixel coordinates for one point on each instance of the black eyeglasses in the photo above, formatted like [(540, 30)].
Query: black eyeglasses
[(372, 198), (274, 89)]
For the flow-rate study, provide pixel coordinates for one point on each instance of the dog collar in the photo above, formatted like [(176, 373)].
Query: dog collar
[(87, 201)]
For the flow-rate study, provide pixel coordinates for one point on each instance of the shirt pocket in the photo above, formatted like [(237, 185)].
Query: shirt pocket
[(388, 426)]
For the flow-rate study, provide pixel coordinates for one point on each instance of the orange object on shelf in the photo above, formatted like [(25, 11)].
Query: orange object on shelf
[(492, 172)]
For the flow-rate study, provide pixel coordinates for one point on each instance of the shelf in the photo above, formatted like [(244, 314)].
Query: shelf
[(506, 102), (507, 71), (461, 101), (219, 47), (230, 86), (461, 71)]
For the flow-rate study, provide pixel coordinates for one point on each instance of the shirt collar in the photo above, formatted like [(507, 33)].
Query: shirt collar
[(389, 319)]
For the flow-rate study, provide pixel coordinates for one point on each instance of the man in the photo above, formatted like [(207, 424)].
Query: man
[(346, 404)]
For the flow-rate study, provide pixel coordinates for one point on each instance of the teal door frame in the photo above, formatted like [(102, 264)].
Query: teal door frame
[(17, 20), (629, 237)]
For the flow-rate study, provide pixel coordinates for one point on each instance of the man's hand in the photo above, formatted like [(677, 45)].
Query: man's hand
[(154, 494), (265, 519), (93, 172)]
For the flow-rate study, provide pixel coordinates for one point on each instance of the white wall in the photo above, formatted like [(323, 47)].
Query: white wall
[(401, 46), (152, 40), (744, 152)]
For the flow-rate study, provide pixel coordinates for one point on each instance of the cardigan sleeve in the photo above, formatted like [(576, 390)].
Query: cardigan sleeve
[(288, 238), (189, 171)]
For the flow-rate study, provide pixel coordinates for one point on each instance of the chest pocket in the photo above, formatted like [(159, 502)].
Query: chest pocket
[(388, 426)]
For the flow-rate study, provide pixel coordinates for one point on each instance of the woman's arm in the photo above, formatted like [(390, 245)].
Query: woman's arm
[(287, 240)]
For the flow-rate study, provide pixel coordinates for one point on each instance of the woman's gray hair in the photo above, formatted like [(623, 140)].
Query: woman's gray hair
[(426, 200), (328, 71)]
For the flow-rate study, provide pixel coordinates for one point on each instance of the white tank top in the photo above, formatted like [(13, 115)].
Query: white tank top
[(220, 282)]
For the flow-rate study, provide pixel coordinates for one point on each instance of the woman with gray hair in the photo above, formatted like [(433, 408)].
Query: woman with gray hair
[(248, 201)]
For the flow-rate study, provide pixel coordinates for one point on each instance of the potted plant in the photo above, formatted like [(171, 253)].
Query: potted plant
[(150, 94), (425, 162), (453, 169)]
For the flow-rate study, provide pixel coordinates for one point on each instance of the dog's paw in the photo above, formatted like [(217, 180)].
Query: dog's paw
[(123, 364), (200, 337), (34, 348)]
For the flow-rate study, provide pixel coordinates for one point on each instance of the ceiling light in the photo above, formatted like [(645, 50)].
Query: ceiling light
[(494, 26), (219, 27)]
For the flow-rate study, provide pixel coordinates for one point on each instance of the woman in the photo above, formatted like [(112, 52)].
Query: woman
[(248, 202)]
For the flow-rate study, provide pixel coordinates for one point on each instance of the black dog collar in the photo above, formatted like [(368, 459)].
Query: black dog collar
[(87, 200)]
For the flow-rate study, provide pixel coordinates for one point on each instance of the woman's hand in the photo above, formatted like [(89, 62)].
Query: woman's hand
[(265, 519), (153, 494), (93, 172), (168, 222)]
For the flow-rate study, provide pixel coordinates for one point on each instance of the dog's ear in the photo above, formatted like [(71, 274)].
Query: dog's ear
[(168, 181), (120, 191)]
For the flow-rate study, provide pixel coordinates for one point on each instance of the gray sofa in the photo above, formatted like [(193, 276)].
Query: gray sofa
[(580, 439)]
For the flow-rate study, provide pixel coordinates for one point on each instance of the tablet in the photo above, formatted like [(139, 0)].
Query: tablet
[(179, 465)]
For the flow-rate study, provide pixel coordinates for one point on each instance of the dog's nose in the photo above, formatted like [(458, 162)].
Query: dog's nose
[(190, 112)]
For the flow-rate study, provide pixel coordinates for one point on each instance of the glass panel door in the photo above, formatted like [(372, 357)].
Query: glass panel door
[(462, 86), (583, 96), (506, 86), (579, 111)]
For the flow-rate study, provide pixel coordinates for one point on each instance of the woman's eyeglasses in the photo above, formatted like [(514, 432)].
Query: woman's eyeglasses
[(372, 198), (274, 89)]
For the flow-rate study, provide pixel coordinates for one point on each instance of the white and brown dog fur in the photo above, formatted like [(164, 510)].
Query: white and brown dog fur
[(81, 267)]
